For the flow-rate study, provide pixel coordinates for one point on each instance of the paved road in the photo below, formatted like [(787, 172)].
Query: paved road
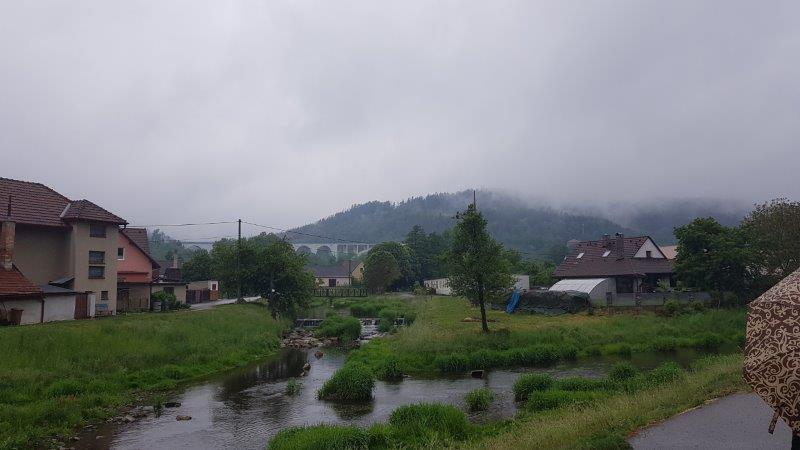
[(224, 301), (737, 421)]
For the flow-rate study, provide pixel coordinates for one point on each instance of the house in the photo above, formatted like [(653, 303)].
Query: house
[(338, 275), (202, 291), (135, 269), (442, 285), (170, 279), (63, 248), (612, 267), (670, 251)]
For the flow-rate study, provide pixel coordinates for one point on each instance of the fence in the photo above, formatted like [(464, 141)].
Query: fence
[(133, 304), (659, 298), (341, 292)]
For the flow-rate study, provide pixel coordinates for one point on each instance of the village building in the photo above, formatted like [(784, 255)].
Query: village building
[(341, 274), (135, 270), (58, 255), (614, 267), (441, 286), (202, 291)]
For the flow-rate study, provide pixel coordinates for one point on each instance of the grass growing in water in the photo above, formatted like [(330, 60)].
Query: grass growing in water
[(345, 328), (292, 387), (479, 399), (55, 377), (352, 383)]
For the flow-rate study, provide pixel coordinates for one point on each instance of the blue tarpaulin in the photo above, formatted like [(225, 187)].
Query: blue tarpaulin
[(513, 301)]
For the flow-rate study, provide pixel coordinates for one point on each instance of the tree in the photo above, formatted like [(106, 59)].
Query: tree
[(198, 267), (380, 270), (479, 266), (713, 257), (282, 279), (403, 258), (773, 228)]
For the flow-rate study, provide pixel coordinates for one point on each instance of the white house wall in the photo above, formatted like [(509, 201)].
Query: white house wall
[(650, 246), (59, 307), (31, 309)]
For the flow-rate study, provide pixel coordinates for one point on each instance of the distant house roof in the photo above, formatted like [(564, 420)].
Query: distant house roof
[(670, 251), (37, 204), (587, 260), (138, 237), (13, 284), (338, 271)]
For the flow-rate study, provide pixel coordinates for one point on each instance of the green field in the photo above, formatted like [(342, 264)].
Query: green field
[(440, 341), (54, 377)]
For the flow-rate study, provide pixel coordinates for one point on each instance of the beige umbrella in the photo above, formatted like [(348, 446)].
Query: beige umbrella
[(772, 350)]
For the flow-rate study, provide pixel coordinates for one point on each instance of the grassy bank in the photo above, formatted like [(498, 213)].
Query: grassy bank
[(54, 377), (440, 341), (557, 414), (606, 422)]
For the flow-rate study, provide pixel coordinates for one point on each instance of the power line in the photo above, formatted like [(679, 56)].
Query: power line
[(307, 234), (181, 224)]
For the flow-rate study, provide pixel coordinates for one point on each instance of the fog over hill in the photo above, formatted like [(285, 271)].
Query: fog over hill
[(532, 227)]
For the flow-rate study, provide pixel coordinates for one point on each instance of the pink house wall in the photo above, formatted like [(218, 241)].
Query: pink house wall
[(136, 267)]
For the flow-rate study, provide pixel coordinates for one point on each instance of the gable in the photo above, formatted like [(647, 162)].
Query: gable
[(649, 245)]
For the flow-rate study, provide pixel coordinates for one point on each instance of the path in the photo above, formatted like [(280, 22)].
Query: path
[(224, 301), (738, 421)]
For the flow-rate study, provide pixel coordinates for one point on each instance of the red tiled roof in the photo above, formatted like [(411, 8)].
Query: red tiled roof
[(138, 237), (37, 204), (593, 264), (13, 284)]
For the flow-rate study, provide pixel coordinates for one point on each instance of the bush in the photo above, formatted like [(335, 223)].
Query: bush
[(622, 371), (329, 437), (352, 383), (709, 341), (697, 306), (479, 399), (431, 422), (672, 308), (665, 373), (168, 301), (530, 383), (346, 328)]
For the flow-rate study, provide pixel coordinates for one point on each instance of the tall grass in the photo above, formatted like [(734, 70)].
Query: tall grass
[(439, 341), (345, 328), (352, 383), (54, 377)]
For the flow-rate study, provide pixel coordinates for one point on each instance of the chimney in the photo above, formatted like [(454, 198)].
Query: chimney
[(606, 239), (7, 236), (7, 243), (620, 247)]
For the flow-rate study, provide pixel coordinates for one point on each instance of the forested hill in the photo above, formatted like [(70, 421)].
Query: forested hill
[(539, 231), (542, 232)]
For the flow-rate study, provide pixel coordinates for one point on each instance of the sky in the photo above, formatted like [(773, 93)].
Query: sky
[(284, 112)]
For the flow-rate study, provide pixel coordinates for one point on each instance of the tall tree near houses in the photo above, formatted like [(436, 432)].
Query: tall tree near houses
[(380, 270), (479, 267)]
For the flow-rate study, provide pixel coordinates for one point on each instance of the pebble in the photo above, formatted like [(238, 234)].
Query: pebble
[(183, 417)]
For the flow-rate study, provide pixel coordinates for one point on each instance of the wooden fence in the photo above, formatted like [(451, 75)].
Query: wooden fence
[(133, 304), (341, 292)]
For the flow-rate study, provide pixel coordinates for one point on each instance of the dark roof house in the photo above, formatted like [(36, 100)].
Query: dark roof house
[(613, 257)]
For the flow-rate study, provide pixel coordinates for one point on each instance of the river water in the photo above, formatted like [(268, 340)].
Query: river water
[(245, 408)]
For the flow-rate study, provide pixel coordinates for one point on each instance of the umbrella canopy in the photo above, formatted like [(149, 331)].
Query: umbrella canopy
[(772, 350)]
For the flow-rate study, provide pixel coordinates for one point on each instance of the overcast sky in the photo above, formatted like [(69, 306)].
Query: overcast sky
[(285, 112)]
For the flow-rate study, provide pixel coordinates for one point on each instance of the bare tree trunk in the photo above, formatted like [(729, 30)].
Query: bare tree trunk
[(481, 301)]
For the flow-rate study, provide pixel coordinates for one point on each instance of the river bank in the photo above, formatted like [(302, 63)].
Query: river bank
[(58, 377)]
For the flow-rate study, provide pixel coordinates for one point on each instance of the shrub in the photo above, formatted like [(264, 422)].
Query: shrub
[(352, 383), (479, 399), (529, 383), (697, 306), (330, 437), (664, 373), (622, 371), (709, 341), (346, 328), (292, 387), (672, 308), (430, 422)]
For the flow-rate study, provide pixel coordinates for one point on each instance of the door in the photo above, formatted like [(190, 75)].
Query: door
[(81, 306)]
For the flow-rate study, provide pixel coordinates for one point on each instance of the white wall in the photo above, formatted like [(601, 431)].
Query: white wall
[(59, 307), (522, 283), (649, 245), (31, 309), (340, 281), (441, 285)]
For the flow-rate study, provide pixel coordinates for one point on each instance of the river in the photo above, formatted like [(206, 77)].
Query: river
[(245, 408)]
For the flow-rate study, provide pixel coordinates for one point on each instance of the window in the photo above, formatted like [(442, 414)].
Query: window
[(648, 253), (97, 230), (103, 296), (97, 257), (213, 286), (121, 253), (580, 255), (606, 253), (96, 272)]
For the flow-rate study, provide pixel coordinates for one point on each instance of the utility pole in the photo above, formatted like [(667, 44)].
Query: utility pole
[(239, 263)]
